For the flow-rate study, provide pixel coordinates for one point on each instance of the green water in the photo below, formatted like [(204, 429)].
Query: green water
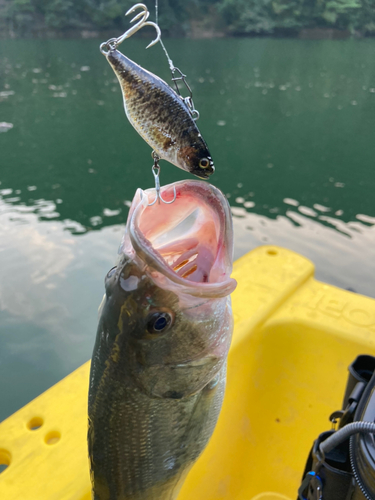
[(290, 125)]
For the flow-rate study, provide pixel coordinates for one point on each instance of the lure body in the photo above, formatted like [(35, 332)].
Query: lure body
[(161, 117)]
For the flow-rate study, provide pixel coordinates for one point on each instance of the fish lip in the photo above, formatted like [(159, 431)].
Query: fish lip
[(155, 262)]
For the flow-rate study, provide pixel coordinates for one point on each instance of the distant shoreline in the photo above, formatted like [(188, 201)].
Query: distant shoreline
[(85, 34)]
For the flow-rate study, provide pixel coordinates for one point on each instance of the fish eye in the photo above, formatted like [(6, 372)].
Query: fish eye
[(204, 163), (158, 322)]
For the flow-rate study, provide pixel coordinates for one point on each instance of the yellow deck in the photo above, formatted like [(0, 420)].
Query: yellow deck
[(294, 338)]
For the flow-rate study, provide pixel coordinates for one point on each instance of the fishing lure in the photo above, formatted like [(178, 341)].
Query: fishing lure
[(161, 116)]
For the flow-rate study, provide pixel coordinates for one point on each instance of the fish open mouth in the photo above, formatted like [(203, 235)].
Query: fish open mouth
[(188, 243)]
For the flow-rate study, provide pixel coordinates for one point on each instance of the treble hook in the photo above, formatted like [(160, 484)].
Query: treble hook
[(156, 172), (113, 43)]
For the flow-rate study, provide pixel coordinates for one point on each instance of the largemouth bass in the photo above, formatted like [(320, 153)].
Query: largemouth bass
[(159, 362), (161, 117)]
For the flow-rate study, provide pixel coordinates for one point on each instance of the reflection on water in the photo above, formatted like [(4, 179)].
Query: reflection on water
[(51, 282), (50, 286), (290, 126), (343, 253)]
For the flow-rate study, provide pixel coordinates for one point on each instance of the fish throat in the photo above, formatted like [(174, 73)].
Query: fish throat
[(187, 237), (188, 242)]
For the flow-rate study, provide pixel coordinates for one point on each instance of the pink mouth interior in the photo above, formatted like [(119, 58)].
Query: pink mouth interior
[(186, 234)]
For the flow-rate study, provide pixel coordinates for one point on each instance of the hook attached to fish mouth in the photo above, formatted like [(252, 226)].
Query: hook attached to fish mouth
[(113, 43), (156, 173), (188, 248)]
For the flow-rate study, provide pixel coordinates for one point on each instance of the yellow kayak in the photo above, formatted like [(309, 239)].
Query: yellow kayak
[(294, 338)]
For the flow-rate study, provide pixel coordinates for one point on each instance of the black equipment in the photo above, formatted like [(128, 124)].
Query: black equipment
[(341, 464)]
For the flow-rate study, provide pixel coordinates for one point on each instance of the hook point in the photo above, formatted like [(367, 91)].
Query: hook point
[(156, 172), (141, 17)]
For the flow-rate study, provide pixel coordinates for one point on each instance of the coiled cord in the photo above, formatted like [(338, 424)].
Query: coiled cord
[(341, 435)]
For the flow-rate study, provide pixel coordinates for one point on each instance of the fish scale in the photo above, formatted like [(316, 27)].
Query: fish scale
[(143, 434), (161, 117)]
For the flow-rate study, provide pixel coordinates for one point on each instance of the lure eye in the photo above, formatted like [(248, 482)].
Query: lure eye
[(204, 163), (159, 322)]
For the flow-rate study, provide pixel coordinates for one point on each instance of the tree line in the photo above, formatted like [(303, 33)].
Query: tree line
[(186, 17)]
